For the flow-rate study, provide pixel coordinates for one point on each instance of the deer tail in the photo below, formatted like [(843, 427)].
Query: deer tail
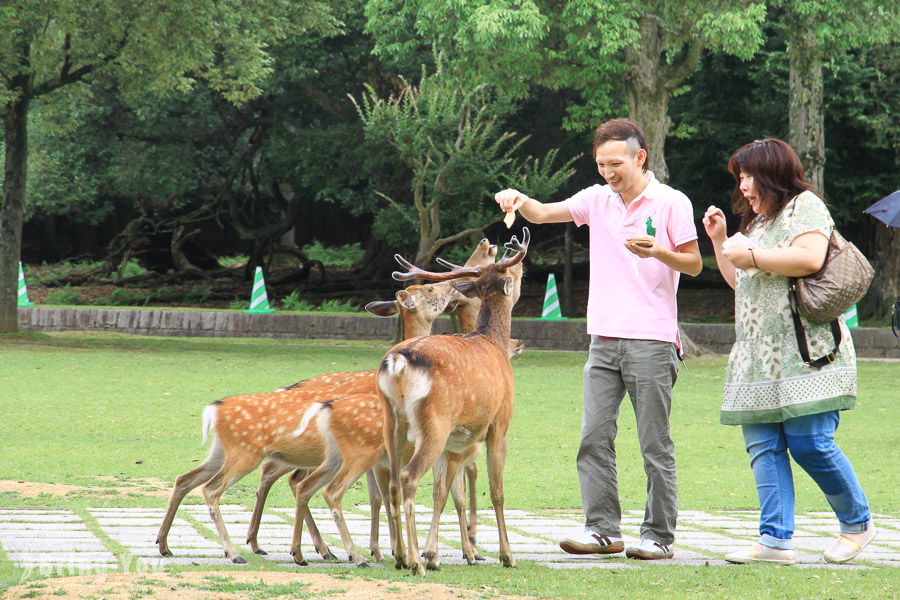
[(209, 420), (309, 415)]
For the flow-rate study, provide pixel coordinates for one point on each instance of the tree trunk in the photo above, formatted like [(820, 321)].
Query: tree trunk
[(15, 127), (806, 118), (885, 288), (648, 102), (649, 82)]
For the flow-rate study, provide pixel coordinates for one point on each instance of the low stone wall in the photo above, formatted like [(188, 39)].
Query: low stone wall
[(548, 335)]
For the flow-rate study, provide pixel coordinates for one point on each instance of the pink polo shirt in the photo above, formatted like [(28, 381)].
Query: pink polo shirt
[(633, 297)]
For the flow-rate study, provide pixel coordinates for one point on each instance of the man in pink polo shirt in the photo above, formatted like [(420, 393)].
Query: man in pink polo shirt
[(632, 321)]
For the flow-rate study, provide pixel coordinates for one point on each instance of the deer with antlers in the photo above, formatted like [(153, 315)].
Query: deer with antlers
[(448, 394), (250, 428), (347, 426)]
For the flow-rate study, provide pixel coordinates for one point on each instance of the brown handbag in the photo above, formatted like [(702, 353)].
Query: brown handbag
[(830, 292)]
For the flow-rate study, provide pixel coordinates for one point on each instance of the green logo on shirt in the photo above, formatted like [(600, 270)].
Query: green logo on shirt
[(651, 230)]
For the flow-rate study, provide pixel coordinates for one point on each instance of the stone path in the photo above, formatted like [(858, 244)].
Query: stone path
[(123, 539)]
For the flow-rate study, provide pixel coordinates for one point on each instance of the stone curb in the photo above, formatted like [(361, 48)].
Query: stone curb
[(543, 335)]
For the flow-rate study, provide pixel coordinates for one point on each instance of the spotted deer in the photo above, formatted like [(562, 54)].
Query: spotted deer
[(448, 394), (249, 428), (418, 307), (353, 431)]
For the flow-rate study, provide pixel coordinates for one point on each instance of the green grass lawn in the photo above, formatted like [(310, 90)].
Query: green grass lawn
[(96, 410)]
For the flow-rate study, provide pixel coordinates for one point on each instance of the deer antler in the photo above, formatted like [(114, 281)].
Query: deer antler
[(415, 272), (507, 261), (448, 264)]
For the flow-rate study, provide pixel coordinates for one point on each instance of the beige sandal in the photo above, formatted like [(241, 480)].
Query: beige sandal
[(845, 550)]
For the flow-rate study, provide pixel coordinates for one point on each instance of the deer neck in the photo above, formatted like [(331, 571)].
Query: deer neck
[(494, 320), (468, 317)]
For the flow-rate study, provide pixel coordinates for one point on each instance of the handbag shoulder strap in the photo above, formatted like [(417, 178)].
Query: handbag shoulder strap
[(802, 343)]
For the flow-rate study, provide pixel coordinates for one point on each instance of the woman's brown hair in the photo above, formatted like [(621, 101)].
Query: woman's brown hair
[(777, 176)]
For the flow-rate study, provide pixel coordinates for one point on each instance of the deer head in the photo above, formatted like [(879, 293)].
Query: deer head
[(498, 285), (421, 305)]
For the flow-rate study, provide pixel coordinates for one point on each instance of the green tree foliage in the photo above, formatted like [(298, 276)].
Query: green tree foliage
[(477, 40), (652, 47), (732, 103), (819, 32), (451, 140), (149, 48)]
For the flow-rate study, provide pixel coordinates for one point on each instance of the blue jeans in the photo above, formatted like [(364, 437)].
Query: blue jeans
[(810, 440)]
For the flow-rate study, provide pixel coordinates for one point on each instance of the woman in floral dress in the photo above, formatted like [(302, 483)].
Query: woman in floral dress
[(782, 403)]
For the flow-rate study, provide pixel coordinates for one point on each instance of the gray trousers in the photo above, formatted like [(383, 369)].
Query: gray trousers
[(647, 370)]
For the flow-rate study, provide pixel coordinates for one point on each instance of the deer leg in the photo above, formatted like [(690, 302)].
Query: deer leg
[(271, 472), (233, 470), (496, 459), (375, 504), (383, 479), (471, 476), (352, 467), (456, 475), (394, 441), (424, 457), (445, 470), (304, 491), (185, 483), (321, 547)]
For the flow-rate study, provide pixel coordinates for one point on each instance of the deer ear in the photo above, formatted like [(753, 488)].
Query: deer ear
[(466, 288), (406, 300), (382, 308), (506, 285)]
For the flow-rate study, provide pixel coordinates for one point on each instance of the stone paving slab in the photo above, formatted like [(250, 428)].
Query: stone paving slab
[(60, 539)]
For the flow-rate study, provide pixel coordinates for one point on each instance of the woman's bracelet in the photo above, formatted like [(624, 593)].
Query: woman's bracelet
[(753, 256)]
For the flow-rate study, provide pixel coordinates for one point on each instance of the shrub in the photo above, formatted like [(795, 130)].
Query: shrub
[(343, 256), (294, 302), (50, 274), (337, 306), (167, 293), (227, 261), (238, 304), (66, 296), (124, 297), (133, 269), (199, 293)]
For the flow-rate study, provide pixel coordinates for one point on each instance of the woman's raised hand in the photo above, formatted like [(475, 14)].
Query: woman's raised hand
[(714, 223)]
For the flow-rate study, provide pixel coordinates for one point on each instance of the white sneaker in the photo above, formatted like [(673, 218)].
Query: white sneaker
[(591, 542), (649, 550)]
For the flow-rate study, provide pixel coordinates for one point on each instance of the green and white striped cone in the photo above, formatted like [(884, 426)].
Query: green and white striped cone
[(851, 318), (551, 311), (259, 302), (23, 290)]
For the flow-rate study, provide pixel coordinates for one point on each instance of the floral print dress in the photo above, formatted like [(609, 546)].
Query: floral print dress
[(766, 380)]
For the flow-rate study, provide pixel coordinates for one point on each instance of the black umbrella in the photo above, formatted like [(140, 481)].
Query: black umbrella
[(887, 210)]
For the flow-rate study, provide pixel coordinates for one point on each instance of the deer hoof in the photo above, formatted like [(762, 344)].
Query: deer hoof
[(239, 560), (261, 552), (363, 565), (479, 557)]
